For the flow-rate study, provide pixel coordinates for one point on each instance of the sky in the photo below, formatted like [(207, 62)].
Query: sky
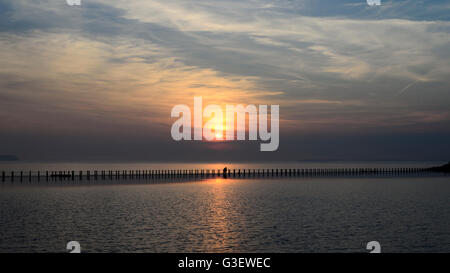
[(97, 82)]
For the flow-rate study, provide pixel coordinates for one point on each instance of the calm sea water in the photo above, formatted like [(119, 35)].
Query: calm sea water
[(340, 214)]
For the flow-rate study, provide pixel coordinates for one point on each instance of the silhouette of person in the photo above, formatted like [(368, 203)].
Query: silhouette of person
[(225, 172)]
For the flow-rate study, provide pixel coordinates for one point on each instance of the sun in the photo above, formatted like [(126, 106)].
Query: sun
[(218, 132), (215, 129)]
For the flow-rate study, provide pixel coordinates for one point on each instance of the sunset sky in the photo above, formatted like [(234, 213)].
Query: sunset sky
[(98, 82)]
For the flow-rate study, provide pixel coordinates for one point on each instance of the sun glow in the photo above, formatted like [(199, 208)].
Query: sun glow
[(218, 121), (218, 132)]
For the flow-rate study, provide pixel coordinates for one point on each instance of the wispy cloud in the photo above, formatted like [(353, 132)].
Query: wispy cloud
[(127, 62)]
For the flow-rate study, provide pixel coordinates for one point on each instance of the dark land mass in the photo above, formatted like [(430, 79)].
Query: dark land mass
[(8, 158), (444, 168)]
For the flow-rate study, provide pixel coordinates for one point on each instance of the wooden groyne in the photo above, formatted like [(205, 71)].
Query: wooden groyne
[(209, 173)]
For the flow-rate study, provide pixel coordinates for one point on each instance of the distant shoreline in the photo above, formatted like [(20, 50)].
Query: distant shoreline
[(445, 168), (8, 158)]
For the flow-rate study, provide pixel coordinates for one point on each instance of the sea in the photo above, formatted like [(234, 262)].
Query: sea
[(403, 213)]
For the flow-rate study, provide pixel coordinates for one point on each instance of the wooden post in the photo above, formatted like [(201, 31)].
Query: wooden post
[(3, 176)]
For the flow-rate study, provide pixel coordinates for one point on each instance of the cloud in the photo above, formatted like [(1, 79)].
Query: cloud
[(331, 65), (90, 82)]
